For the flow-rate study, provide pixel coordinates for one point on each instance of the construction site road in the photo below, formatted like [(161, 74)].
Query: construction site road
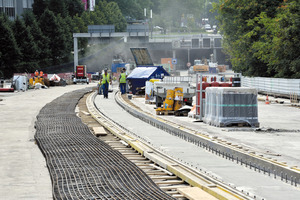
[(23, 171), (258, 184), (277, 138)]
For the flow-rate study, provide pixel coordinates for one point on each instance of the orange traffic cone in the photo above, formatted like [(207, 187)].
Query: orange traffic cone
[(267, 100)]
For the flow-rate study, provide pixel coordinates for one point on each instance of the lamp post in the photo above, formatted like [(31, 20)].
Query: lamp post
[(145, 15), (151, 22)]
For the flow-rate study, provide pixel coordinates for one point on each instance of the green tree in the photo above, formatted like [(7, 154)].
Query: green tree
[(39, 6), (78, 26), (280, 41), (75, 7), (40, 40), (27, 45), (129, 8), (9, 51), (66, 24), (241, 30), (112, 14), (53, 30), (58, 7)]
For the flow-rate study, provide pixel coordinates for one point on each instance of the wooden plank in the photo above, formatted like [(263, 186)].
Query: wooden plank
[(163, 177), (86, 113), (173, 187), (195, 193), (99, 131), (169, 182)]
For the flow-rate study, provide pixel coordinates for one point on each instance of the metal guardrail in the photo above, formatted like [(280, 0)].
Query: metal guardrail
[(279, 86), (176, 79), (101, 28)]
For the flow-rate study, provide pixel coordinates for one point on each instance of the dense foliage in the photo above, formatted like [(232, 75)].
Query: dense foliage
[(9, 50), (262, 36), (44, 37)]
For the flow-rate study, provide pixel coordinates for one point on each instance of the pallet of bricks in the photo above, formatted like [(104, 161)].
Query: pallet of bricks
[(231, 106)]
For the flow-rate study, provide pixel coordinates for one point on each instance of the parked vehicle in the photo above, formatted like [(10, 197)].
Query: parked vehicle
[(207, 27), (80, 75)]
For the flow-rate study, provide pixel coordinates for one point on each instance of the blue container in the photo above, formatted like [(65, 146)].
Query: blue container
[(138, 77)]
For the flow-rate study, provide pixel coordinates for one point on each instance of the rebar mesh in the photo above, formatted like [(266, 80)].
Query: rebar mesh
[(82, 166)]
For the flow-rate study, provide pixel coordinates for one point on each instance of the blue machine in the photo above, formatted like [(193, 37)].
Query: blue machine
[(138, 77)]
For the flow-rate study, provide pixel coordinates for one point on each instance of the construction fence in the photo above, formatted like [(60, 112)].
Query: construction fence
[(273, 86)]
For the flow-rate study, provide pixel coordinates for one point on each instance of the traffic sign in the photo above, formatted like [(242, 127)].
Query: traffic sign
[(174, 61), (188, 64)]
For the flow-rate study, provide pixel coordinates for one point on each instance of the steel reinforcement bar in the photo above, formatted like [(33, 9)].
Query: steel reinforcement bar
[(82, 166)]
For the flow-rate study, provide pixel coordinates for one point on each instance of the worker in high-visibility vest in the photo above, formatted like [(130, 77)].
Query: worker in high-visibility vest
[(36, 73), (36, 77), (105, 80), (122, 81)]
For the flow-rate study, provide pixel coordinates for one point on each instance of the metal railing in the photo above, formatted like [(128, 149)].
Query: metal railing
[(276, 86), (177, 79)]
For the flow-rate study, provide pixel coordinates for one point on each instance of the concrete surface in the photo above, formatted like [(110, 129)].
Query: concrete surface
[(23, 171), (279, 124), (243, 178)]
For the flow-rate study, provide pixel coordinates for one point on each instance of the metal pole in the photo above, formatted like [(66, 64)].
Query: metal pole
[(151, 22), (145, 14), (215, 54), (75, 53), (188, 54), (174, 56), (201, 109), (197, 90)]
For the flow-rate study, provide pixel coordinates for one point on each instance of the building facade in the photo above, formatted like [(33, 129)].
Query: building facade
[(14, 8)]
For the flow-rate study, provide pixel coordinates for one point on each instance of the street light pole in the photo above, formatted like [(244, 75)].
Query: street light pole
[(151, 22), (145, 14)]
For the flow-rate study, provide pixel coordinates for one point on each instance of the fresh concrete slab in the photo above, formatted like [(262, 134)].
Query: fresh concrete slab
[(278, 136), (23, 170)]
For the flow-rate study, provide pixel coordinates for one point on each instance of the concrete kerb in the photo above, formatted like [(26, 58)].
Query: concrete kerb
[(258, 163)]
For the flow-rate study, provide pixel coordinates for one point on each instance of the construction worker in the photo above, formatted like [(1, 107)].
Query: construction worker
[(122, 81), (36, 73), (105, 80)]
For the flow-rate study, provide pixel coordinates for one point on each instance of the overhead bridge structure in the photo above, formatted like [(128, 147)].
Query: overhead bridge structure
[(141, 34)]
